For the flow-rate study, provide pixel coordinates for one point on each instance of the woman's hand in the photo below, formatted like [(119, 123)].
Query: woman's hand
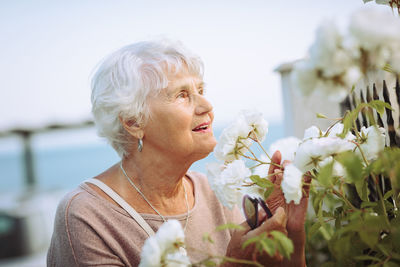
[(276, 222), (296, 214)]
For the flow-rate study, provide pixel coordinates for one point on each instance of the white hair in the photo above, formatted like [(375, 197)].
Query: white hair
[(124, 79)]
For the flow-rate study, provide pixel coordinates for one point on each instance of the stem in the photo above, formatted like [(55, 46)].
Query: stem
[(339, 194), (248, 157), (260, 161), (234, 260), (381, 201), (258, 142), (330, 127), (362, 152), (257, 165), (355, 129), (248, 148)]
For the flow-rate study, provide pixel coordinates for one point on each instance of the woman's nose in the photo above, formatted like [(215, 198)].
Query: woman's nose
[(203, 105)]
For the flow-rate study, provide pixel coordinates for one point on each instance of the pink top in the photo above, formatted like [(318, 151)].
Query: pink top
[(89, 230)]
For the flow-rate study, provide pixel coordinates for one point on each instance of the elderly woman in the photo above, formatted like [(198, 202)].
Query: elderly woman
[(148, 101)]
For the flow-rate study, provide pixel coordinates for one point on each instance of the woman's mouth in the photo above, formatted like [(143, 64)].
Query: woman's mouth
[(204, 127)]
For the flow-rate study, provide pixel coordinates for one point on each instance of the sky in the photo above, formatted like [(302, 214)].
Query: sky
[(49, 49)]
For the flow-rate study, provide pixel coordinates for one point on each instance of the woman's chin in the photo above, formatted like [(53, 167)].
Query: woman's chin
[(206, 150)]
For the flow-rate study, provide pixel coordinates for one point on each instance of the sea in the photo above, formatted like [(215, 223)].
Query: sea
[(64, 158)]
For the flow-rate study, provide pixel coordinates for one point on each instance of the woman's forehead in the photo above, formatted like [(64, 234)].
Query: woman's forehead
[(184, 80)]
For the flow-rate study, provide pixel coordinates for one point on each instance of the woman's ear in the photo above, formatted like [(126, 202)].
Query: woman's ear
[(132, 127)]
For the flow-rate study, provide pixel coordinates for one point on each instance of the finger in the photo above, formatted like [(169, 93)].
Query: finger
[(245, 228), (285, 163), (276, 158), (278, 177), (262, 216), (276, 222), (307, 180)]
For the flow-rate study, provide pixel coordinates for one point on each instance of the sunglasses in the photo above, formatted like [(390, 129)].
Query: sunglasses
[(250, 208)]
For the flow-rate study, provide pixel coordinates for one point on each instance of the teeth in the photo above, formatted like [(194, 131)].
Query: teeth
[(202, 127)]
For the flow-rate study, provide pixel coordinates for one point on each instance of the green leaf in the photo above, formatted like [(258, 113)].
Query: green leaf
[(325, 175), (362, 189), (370, 229), (250, 241), (388, 194), (208, 263), (366, 258), (316, 201), (284, 242), (229, 226), (268, 192), (384, 250), (352, 88), (207, 238), (390, 264), (261, 182), (268, 246), (321, 116), (368, 204), (388, 68), (352, 163), (379, 106), (325, 232), (314, 229)]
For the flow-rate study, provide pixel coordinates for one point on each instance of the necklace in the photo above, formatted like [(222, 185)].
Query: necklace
[(148, 202)]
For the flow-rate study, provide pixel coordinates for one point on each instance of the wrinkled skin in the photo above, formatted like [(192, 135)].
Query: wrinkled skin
[(296, 214), (287, 218), (277, 222)]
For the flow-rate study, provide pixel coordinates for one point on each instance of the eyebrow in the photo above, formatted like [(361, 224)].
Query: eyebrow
[(187, 86)]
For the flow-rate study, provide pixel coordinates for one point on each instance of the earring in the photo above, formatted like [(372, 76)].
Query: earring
[(140, 145)]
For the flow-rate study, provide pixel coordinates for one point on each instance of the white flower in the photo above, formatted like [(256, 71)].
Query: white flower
[(312, 151), (234, 139), (178, 259), (337, 168), (383, 2), (373, 28), (394, 60), (373, 142), (165, 247), (311, 132), (304, 77), (338, 129), (327, 52), (229, 147), (256, 121), (287, 146), (262, 170), (227, 181), (292, 184)]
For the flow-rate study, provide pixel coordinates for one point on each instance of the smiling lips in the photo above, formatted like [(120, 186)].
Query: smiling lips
[(204, 127)]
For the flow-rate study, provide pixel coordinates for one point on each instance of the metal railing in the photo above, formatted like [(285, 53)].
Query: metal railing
[(387, 122)]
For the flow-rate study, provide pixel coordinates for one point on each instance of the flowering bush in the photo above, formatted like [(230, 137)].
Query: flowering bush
[(392, 3), (355, 219), (337, 61)]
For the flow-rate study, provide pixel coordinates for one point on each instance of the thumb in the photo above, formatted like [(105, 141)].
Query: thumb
[(276, 222)]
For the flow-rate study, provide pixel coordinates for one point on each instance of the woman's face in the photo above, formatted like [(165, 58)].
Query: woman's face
[(180, 122)]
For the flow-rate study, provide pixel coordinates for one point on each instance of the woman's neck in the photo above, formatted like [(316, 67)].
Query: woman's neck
[(160, 179)]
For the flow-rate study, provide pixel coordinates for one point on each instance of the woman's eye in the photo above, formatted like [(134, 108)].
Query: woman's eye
[(183, 94)]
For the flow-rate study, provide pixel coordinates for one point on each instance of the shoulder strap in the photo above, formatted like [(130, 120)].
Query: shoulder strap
[(111, 193)]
